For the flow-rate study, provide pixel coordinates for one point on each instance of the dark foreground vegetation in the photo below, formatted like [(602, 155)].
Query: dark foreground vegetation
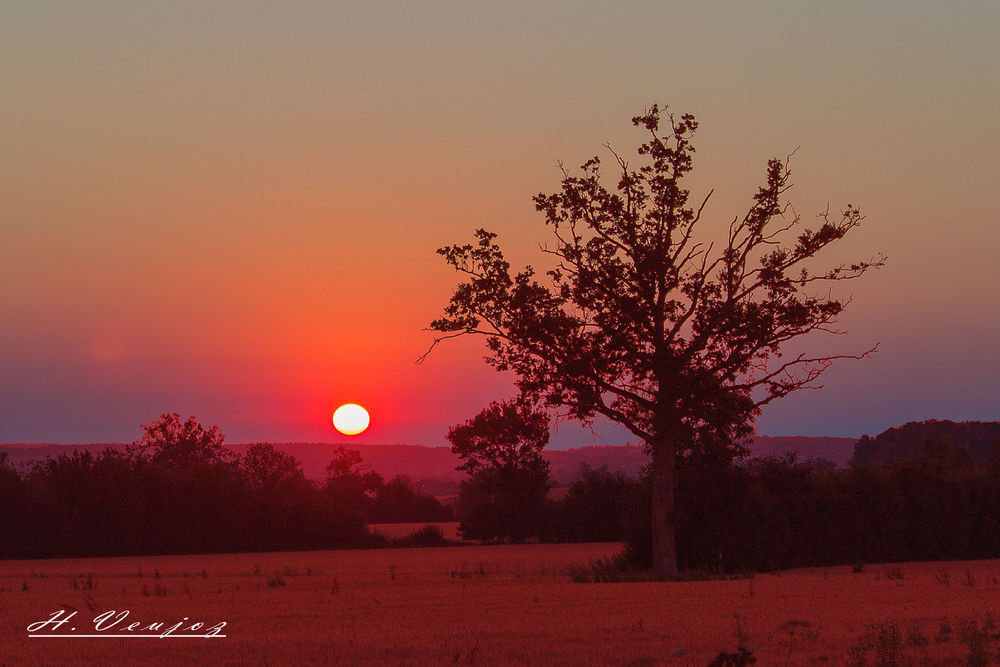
[(178, 490), (775, 513)]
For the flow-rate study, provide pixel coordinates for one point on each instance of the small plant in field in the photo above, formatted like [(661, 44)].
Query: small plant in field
[(884, 643), (609, 570), (392, 573), (942, 577), (977, 641), (203, 574), (156, 574), (858, 568), (944, 632), (187, 591), (160, 590), (742, 638), (90, 603), (24, 584), (988, 623), (915, 636), (256, 570), (335, 588), (970, 578), (467, 572), (276, 580), (894, 574), (145, 591), (87, 582), (739, 658), (139, 572), (791, 628)]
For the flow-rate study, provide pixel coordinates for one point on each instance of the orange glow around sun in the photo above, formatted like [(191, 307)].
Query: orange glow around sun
[(351, 419)]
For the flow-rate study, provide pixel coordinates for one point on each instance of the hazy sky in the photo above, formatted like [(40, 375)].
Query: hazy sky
[(230, 209)]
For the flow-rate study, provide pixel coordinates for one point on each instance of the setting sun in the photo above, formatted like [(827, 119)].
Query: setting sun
[(351, 419)]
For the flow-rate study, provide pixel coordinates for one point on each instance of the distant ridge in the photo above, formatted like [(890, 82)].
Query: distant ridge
[(903, 442), (434, 467)]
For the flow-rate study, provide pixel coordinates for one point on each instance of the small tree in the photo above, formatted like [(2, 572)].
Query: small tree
[(350, 482), (181, 445), (642, 323), (267, 468), (501, 449)]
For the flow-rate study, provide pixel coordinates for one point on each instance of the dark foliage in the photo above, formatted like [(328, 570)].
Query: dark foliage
[(180, 491), (502, 504), (170, 443), (741, 657), (428, 536), (400, 501), (903, 442), (350, 482), (595, 509), (501, 449), (776, 513), (644, 321)]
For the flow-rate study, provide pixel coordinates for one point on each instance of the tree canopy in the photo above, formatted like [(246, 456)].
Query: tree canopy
[(645, 322), (173, 443), (503, 435), (501, 449)]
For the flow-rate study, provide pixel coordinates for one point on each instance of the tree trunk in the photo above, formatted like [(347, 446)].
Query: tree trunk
[(663, 526)]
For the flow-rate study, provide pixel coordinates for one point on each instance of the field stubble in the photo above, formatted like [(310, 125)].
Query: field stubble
[(497, 605)]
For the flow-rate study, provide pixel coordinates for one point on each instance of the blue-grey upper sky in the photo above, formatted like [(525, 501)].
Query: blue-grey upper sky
[(230, 209)]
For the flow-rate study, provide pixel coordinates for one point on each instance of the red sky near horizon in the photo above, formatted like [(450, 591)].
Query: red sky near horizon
[(232, 211)]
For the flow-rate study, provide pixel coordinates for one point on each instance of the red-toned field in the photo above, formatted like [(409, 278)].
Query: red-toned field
[(494, 605)]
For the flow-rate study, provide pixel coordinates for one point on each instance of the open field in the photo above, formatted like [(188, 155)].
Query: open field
[(494, 605)]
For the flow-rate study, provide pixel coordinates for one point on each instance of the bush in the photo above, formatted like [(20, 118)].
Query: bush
[(428, 536)]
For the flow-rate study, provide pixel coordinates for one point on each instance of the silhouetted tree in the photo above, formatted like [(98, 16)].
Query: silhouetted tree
[(501, 449), (350, 482), (265, 467), (596, 508), (647, 325), (400, 501), (906, 441), (172, 443), (12, 508)]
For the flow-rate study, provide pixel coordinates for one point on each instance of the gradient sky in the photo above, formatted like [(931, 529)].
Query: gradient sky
[(230, 209)]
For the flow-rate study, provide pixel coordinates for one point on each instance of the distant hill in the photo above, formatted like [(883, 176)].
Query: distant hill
[(434, 467), (903, 442), (837, 450)]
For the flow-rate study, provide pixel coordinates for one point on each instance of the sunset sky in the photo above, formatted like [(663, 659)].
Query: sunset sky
[(231, 209)]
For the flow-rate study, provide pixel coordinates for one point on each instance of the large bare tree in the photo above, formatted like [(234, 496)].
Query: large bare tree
[(639, 320)]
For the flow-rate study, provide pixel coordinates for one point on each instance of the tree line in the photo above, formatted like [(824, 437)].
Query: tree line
[(776, 512), (179, 490)]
